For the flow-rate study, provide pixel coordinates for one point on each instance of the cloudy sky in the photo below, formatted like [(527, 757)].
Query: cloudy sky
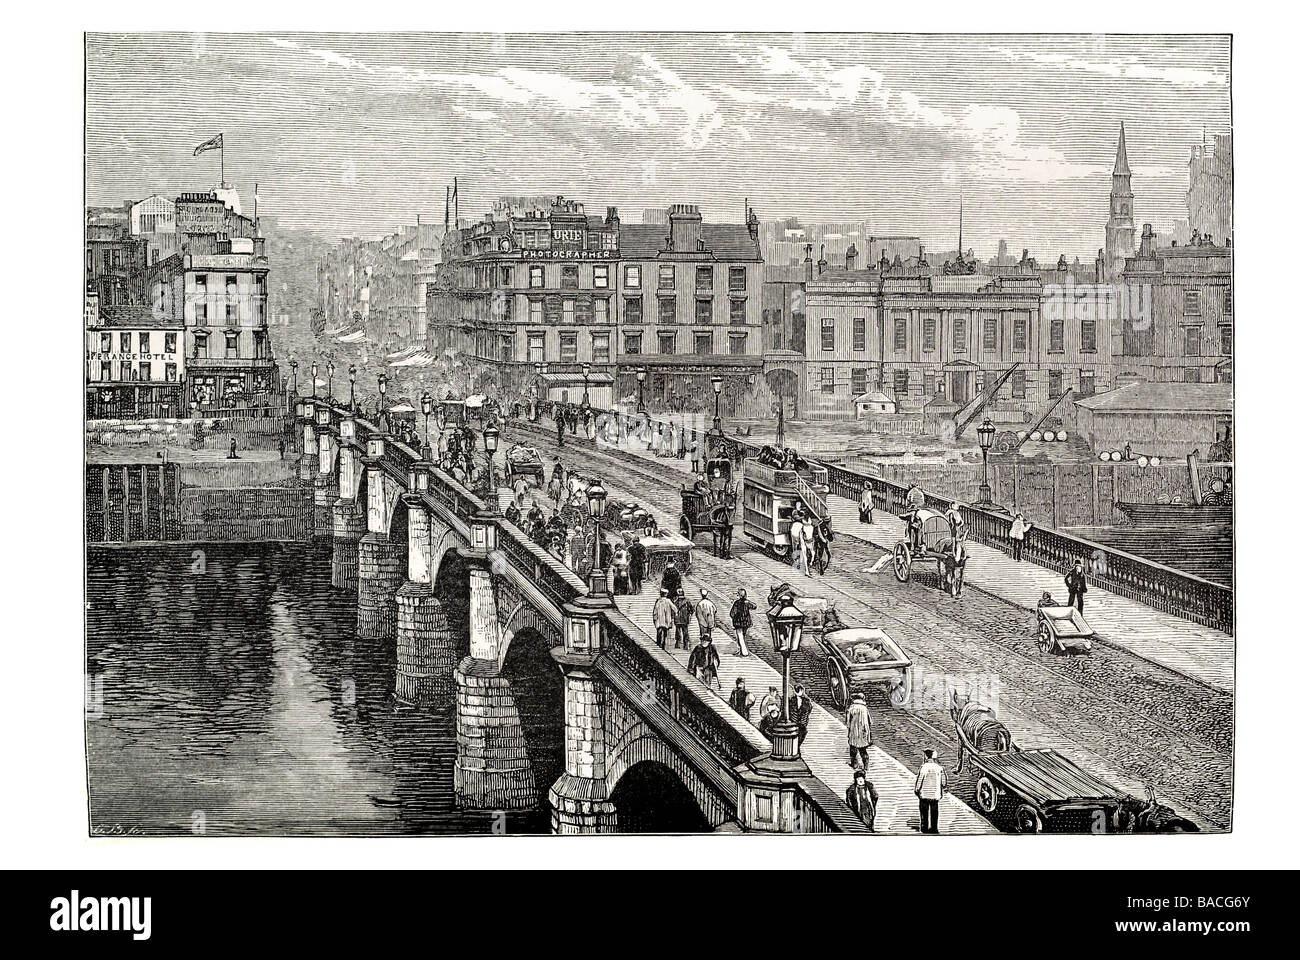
[(354, 134)]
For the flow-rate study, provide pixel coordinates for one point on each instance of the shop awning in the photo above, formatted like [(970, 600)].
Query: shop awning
[(595, 379)]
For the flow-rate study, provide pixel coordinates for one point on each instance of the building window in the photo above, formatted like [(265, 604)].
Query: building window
[(105, 370), (1225, 340), (600, 276), (928, 383), (536, 347), (667, 277), (958, 334), (124, 371), (569, 277), (1053, 383), (1087, 383), (667, 344), (261, 345), (703, 343), (828, 333), (929, 328), (736, 342), (990, 333), (900, 383), (536, 277), (1019, 332), (859, 333), (632, 310), (1018, 384), (601, 306), (505, 275), (1227, 301), (704, 311), (736, 279), (1191, 374), (738, 312), (124, 342), (1192, 303), (146, 370), (632, 343), (828, 379), (600, 348), (507, 346), (567, 309), (1088, 336), (1057, 342), (200, 346), (667, 309), (632, 277), (144, 343), (232, 346), (568, 348), (1224, 373), (105, 343), (232, 312), (1191, 341), (859, 380), (169, 343), (535, 312), (900, 333), (704, 279)]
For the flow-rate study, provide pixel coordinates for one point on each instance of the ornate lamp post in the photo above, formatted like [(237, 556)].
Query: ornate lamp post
[(717, 405), (383, 389), (986, 432), (786, 623), (329, 374), (491, 436), (596, 495), (352, 387), (586, 376), (426, 406), (640, 386), (313, 381), (293, 365)]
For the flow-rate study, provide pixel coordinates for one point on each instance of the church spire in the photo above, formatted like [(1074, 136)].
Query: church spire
[(1121, 155)]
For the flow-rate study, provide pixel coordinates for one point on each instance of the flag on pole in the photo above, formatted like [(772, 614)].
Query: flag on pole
[(214, 144)]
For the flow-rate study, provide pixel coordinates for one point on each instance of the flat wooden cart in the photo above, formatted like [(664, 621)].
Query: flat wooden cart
[(1062, 629), (1043, 785), (857, 656)]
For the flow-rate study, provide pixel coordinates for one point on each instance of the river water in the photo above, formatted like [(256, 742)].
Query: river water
[(228, 694)]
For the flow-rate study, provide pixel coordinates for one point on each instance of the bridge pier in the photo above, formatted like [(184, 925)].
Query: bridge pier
[(426, 646), (379, 575), (325, 481), (309, 462), (492, 769), (348, 521)]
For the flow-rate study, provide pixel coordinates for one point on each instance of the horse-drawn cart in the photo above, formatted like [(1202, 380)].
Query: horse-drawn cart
[(858, 656), (708, 504), (930, 538)]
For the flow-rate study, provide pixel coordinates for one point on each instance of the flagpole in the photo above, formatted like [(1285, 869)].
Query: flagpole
[(223, 161)]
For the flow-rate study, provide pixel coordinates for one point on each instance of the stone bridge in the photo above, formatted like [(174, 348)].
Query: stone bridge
[(430, 560)]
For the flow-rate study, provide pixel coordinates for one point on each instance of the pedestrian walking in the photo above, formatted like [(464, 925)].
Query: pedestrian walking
[(704, 662), (859, 724), (770, 702), (636, 563), (806, 548), (232, 455), (706, 612), (742, 619), (521, 491), (695, 453), (622, 584), (800, 711), (796, 539), (1019, 527), (1077, 584), (865, 504), (281, 448), (672, 579), (559, 426), (665, 618), (931, 782), (683, 609), (862, 799), (956, 522), (771, 718), (741, 700)]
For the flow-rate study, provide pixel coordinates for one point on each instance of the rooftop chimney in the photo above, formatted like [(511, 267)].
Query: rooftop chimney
[(1148, 248), (684, 226), (751, 221), (807, 263), (821, 262), (611, 215), (851, 256), (1100, 266)]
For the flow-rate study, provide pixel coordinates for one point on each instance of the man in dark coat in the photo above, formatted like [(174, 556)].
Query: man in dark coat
[(1077, 584), (704, 662), (800, 711), (741, 620), (862, 798), (636, 563), (559, 426), (684, 611), (741, 700), (672, 580)]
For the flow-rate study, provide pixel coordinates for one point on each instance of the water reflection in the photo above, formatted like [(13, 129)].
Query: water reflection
[(236, 699)]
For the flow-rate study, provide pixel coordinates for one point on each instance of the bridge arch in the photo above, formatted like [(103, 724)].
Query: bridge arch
[(636, 745), (650, 797)]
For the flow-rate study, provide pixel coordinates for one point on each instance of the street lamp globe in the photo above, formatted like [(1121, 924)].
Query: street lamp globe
[(717, 385), (986, 431), (786, 622), (490, 437), (426, 404), (596, 494), (640, 375), (352, 372)]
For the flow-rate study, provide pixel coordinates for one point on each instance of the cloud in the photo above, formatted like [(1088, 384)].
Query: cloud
[(1123, 68)]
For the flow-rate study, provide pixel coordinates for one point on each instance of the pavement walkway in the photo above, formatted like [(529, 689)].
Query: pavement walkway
[(1190, 649)]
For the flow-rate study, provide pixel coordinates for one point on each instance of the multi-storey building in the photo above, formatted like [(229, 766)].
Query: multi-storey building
[(1185, 332), (135, 363)]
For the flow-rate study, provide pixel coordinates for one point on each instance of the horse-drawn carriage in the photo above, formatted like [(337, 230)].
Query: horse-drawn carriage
[(708, 505), (524, 461), (775, 495), (931, 538), (1049, 791)]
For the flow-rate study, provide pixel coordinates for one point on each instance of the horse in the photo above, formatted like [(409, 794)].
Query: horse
[(720, 526), (978, 726), (822, 537)]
